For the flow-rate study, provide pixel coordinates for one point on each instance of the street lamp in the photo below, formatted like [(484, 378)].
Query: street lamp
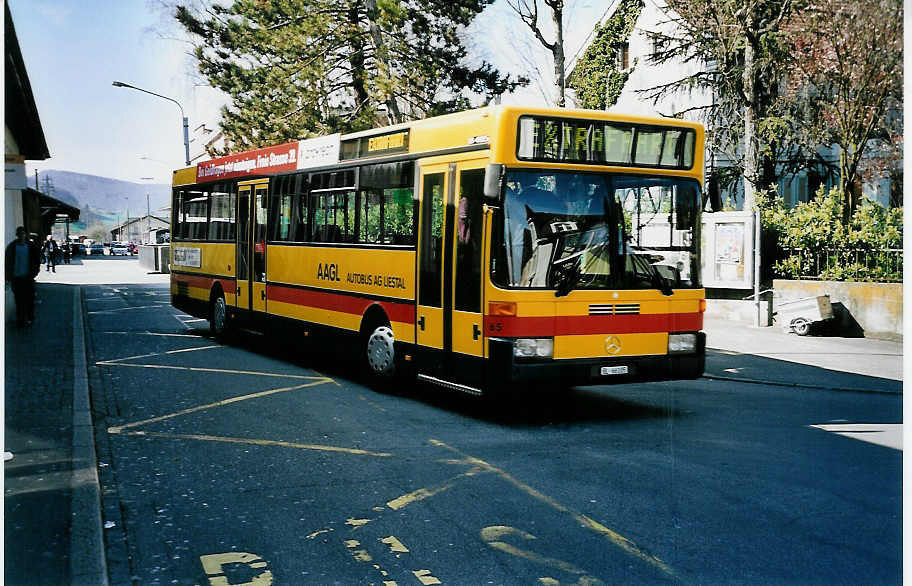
[(186, 122)]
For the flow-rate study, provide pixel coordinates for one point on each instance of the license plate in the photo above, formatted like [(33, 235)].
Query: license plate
[(607, 370)]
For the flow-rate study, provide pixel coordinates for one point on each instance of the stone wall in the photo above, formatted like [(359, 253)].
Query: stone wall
[(867, 309)]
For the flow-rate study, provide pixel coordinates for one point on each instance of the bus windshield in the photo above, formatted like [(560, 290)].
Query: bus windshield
[(572, 230)]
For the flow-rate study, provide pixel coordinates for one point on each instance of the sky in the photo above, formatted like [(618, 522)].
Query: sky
[(74, 50)]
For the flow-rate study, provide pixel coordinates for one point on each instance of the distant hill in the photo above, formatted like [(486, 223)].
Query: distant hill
[(103, 199)]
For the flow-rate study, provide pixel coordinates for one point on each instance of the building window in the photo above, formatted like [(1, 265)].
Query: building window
[(623, 57)]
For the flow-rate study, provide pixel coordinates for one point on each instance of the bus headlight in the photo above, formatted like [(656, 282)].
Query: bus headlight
[(682, 343), (533, 348)]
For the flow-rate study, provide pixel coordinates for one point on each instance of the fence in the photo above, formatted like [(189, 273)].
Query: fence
[(841, 264)]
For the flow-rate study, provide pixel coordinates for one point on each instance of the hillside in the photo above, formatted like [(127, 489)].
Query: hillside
[(103, 199)]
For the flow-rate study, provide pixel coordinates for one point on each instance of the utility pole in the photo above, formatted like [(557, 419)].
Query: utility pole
[(148, 220)]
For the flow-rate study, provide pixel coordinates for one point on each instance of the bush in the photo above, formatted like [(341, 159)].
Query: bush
[(813, 240)]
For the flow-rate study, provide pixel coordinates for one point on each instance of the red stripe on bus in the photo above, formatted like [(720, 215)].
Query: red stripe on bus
[(228, 285), (578, 325), (397, 312)]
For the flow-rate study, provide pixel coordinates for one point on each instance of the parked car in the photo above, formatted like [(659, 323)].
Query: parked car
[(119, 248), (96, 248), (132, 248)]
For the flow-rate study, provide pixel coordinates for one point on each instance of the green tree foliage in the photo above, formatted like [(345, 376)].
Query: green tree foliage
[(747, 44), (814, 240), (847, 83), (596, 77), (295, 68)]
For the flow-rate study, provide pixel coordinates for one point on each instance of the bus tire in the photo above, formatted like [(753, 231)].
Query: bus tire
[(380, 353), (218, 315)]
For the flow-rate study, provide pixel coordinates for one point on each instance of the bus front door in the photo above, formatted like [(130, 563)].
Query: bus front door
[(449, 319)]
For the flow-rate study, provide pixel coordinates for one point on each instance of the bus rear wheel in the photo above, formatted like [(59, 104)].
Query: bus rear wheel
[(380, 353), (218, 316)]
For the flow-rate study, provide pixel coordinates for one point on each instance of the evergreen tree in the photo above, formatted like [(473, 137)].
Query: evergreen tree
[(296, 68)]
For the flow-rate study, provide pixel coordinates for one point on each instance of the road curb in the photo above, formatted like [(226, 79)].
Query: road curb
[(87, 553), (800, 385)]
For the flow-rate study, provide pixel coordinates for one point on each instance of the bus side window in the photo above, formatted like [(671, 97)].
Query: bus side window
[(195, 210), (369, 217), (177, 205), (398, 216), (388, 208), (221, 214), (300, 225)]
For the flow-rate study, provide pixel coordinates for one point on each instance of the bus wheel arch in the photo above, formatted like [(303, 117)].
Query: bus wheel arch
[(218, 311), (378, 343)]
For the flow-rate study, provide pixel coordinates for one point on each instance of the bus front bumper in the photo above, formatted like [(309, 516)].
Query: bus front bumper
[(504, 368)]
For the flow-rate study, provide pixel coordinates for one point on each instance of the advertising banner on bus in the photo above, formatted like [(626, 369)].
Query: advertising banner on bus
[(276, 159)]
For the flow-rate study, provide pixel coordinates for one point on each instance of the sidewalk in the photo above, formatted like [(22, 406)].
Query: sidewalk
[(52, 514), (757, 354)]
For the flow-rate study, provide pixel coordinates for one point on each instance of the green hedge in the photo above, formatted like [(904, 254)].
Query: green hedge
[(813, 241)]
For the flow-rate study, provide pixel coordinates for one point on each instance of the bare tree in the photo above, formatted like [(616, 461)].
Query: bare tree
[(527, 10)]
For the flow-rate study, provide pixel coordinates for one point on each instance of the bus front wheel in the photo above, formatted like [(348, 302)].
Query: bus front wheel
[(380, 352)]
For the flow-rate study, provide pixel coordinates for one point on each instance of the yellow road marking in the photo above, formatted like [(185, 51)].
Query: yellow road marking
[(152, 334), (424, 576), (394, 544), (115, 360), (159, 306), (260, 442), (216, 370), (213, 567), (222, 403), (493, 536), (424, 493), (612, 536), (352, 522)]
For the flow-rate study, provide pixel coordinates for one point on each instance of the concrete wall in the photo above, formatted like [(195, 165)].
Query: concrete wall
[(741, 311), (869, 309)]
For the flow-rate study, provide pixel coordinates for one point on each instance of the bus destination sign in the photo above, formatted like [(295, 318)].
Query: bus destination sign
[(604, 143)]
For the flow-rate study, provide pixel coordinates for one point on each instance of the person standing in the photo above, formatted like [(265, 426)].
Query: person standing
[(50, 254), (23, 263)]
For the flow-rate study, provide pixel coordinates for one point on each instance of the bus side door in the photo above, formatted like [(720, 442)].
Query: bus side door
[(258, 214), (429, 324), (449, 317), (243, 247), (251, 245), (465, 274)]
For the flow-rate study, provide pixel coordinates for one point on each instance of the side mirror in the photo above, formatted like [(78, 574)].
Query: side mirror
[(712, 189), (493, 185)]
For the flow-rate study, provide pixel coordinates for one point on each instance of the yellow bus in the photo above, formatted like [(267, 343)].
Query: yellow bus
[(473, 250)]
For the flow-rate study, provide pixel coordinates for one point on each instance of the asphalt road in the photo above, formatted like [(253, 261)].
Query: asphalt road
[(263, 461)]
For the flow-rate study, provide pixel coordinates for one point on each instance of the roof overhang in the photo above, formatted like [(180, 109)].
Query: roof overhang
[(21, 116)]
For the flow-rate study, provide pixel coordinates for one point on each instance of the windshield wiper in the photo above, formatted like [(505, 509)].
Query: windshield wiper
[(654, 275)]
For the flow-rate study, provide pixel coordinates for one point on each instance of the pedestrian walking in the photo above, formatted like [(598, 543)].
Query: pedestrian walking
[(67, 246), (50, 254), (23, 263)]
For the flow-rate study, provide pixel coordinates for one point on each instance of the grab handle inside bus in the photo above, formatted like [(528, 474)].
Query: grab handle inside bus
[(493, 185)]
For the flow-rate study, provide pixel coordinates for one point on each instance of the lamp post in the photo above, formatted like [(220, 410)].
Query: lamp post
[(148, 213), (186, 122)]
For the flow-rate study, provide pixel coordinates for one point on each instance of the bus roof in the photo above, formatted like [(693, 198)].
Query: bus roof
[(467, 130)]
